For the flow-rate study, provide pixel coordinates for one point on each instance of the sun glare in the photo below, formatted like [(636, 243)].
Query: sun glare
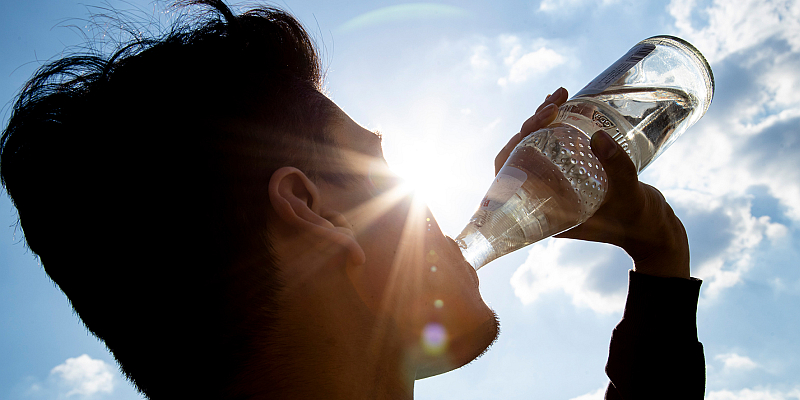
[(419, 168), (435, 170)]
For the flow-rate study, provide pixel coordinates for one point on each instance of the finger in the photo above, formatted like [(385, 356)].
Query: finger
[(544, 115), (624, 194), (620, 170), (596, 229), (558, 98), (542, 118)]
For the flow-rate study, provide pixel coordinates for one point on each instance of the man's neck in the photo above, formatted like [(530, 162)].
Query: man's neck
[(332, 346)]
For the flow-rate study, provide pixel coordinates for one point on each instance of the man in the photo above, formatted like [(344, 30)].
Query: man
[(245, 228)]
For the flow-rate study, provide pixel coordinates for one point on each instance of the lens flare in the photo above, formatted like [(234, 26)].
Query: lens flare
[(432, 257), (434, 339)]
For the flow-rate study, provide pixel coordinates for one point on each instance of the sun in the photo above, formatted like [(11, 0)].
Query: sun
[(432, 174), (418, 166), (440, 171)]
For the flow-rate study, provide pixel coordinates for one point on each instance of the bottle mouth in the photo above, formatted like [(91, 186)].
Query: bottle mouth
[(694, 54), (476, 249)]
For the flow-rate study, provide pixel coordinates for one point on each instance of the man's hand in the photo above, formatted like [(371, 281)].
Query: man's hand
[(634, 216)]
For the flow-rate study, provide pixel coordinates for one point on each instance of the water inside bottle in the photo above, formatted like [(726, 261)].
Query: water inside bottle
[(562, 185), (645, 120)]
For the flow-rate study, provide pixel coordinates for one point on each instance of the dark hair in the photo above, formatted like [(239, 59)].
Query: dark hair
[(140, 180)]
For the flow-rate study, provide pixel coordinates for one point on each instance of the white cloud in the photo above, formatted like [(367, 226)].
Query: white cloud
[(598, 394), (753, 394), (511, 59), (783, 285), (734, 362), (530, 65), (731, 151), (777, 96), (84, 376), (524, 63), (734, 26), (741, 231), (563, 265), (480, 58)]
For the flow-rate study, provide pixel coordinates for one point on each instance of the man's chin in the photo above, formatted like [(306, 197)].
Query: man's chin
[(461, 350)]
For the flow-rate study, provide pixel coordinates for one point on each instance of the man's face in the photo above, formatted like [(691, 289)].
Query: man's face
[(415, 279)]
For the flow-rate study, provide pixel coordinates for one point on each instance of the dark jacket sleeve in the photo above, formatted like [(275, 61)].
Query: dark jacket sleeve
[(654, 352)]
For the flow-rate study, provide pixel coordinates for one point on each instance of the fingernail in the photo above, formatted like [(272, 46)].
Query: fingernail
[(555, 94), (547, 111), (603, 145)]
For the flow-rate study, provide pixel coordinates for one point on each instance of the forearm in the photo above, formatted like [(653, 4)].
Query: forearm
[(654, 351)]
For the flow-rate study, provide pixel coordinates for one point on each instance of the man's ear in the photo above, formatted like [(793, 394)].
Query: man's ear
[(297, 202)]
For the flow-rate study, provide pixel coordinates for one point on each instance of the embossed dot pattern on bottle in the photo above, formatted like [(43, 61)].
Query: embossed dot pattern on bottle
[(569, 149)]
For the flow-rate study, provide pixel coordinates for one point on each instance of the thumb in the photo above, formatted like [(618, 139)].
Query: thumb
[(620, 170)]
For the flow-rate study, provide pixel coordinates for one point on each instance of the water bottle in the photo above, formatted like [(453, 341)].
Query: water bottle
[(552, 182)]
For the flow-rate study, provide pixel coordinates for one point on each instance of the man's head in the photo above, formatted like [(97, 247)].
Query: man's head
[(151, 184)]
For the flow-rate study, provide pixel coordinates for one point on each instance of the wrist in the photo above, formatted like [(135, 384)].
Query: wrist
[(670, 264)]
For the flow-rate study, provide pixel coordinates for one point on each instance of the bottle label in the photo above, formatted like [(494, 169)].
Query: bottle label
[(505, 184), (617, 70)]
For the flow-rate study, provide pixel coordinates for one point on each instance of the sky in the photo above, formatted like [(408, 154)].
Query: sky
[(447, 83)]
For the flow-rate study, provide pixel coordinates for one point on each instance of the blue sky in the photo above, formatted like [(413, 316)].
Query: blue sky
[(447, 83)]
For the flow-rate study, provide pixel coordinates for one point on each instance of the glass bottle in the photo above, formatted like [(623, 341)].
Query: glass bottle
[(552, 182)]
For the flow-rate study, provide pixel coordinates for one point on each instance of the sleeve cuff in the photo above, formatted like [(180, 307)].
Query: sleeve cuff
[(662, 301)]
